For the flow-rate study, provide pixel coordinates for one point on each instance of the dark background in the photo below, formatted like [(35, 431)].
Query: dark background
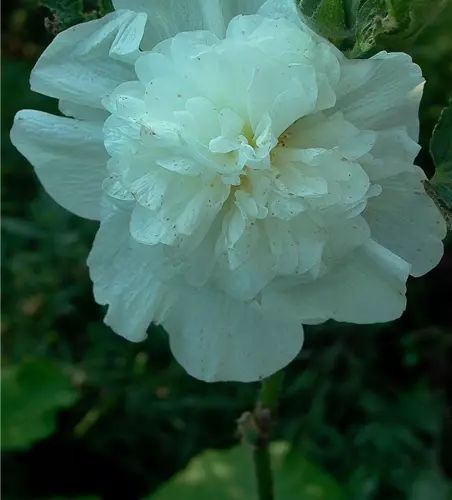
[(371, 405)]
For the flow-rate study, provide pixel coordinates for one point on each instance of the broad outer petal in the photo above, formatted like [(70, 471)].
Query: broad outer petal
[(89, 60), (169, 17), (381, 93), (406, 221), (216, 338), (68, 155), (369, 287), (82, 112), (123, 277)]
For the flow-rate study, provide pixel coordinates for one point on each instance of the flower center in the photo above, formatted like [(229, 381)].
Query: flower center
[(232, 143)]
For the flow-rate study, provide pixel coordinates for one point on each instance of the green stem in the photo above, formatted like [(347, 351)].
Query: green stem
[(268, 401), (263, 471), (271, 388)]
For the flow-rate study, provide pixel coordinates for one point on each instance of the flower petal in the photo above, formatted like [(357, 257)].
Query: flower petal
[(383, 92), (393, 145), (81, 112), (122, 272), (69, 158), (216, 338), (169, 17), (282, 8), (406, 221), (89, 60), (369, 287)]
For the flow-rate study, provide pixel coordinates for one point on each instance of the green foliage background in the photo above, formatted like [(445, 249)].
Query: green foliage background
[(367, 410)]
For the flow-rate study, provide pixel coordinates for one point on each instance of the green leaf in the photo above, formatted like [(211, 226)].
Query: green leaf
[(392, 24), (64, 6), (66, 13), (440, 186), (373, 19), (308, 7), (431, 484), (105, 7), (329, 18), (229, 475), (32, 394), (299, 478), (441, 146), (20, 228), (351, 12), (412, 16)]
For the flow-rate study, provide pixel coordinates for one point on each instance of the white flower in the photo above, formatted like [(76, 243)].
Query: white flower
[(248, 178)]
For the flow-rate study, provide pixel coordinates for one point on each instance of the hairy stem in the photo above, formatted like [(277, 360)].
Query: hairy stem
[(271, 388), (263, 472), (264, 418)]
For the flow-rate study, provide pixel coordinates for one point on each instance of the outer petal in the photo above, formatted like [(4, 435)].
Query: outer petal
[(68, 155), (123, 278), (369, 287), (89, 60), (81, 112), (382, 92), (282, 8), (391, 145), (216, 338), (406, 221), (169, 17)]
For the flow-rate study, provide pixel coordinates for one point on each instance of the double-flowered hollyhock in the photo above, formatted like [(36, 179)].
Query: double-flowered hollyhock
[(247, 176)]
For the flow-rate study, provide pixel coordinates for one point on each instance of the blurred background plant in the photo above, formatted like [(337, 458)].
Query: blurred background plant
[(367, 410)]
